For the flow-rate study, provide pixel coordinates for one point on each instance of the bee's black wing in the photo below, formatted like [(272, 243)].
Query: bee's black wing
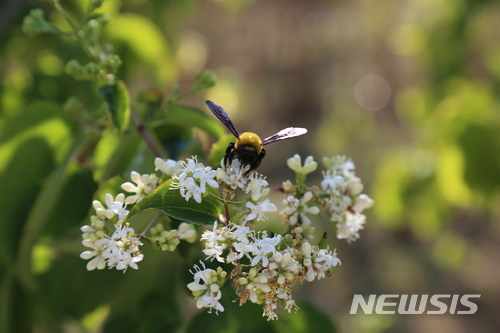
[(220, 113), (286, 133)]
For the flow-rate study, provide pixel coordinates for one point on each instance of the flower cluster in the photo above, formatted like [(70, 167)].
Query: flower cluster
[(206, 287), (344, 200), (112, 242), (340, 196), (193, 180), (167, 240), (145, 184), (296, 209), (118, 249), (266, 268)]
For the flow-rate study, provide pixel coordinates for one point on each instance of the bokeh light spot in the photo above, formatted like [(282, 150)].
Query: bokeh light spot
[(192, 52), (372, 92)]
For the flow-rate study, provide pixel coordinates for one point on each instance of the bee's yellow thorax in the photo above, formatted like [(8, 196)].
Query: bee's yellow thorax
[(250, 141)]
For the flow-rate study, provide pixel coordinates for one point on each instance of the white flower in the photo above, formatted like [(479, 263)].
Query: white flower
[(188, 188), (101, 211), (203, 282), (234, 175), (354, 186), (317, 261), (193, 180), (186, 231), (333, 184), (339, 164), (257, 210), (127, 260), (350, 226), (262, 248), (145, 184), (362, 202), (256, 186), (168, 167), (98, 260), (215, 242), (298, 208), (122, 249), (323, 261), (256, 282), (241, 233), (294, 163), (118, 207)]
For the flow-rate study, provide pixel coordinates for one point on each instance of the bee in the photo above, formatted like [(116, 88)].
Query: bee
[(248, 147)]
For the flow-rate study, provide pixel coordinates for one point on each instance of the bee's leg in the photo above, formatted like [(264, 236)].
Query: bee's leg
[(255, 164), (230, 155)]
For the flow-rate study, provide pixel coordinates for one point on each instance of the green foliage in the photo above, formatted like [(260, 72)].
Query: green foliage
[(35, 24), (117, 97), (89, 71), (94, 4), (234, 319), (192, 117), (169, 201), (308, 319)]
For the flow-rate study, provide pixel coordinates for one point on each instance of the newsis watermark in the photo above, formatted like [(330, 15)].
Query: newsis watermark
[(394, 303)]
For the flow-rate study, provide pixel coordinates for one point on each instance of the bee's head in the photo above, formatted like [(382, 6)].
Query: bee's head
[(249, 141)]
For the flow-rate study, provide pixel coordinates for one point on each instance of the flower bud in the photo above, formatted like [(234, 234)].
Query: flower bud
[(310, 274), (307, 197), (294, 163), (362, 202), (306, 249), (309, 165), (87, 229), (260, 279), (205, 79), (356, 188), (99, 224), (286, 258), (307, 262), (214, 288), (277, 257)]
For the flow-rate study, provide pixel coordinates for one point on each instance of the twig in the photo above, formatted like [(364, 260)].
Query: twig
[(143, 233), (145, 134)]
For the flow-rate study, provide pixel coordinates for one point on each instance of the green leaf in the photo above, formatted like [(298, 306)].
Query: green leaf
[(118, 99), (114, 153), (188, 116), (219, 149), (145, 42), (32, 145), (238, 217), (170, 202)]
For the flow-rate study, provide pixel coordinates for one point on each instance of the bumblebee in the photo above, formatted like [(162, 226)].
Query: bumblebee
[(248, 147)]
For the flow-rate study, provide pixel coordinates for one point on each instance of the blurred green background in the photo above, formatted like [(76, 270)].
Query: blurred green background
[(408, 88)]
